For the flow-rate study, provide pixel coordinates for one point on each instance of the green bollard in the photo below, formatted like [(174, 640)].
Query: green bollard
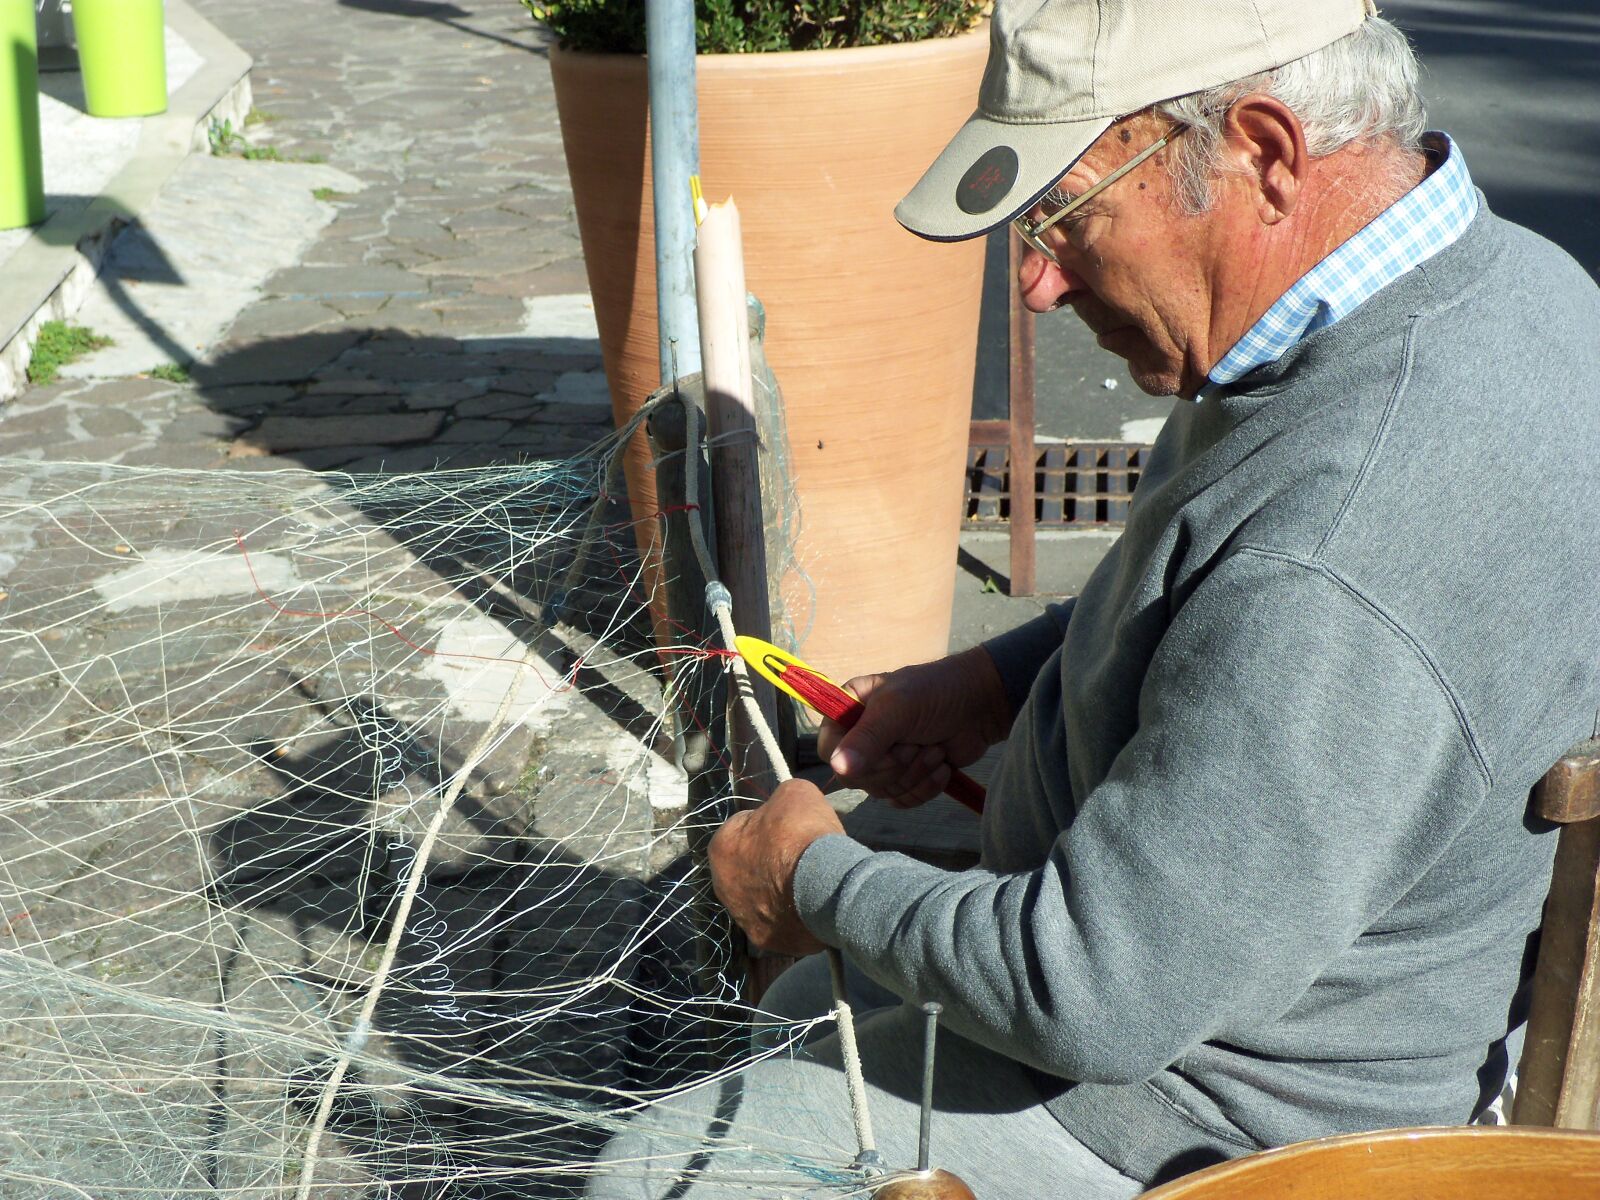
[(122, 52), (21, 163)]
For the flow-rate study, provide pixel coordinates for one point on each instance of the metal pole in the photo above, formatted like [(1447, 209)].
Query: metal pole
[(674, 157)]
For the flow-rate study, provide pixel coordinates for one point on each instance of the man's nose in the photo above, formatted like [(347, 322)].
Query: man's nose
[(1046, 285)]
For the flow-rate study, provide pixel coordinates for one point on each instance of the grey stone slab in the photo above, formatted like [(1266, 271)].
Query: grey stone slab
[(275, 360), (389, 341), (246, 398), (503, 405), (278, 434), (409, 368), (181, 455), (443, 395), (205, 423), (283, 319), (338, 282), (557, 413), (473, 431), (488, 220), (526, 383), (415, 229), (442, 247), (411, 316), (333, 456), (346, 255), (508, 261), (95, 449), (123, 391), (356, 307), (348, 387), (102, 422)]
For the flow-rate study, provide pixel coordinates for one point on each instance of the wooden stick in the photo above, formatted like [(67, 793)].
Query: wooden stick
[(733, 433)]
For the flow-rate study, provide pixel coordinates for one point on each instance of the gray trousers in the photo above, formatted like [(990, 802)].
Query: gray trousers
[(782, 1128)]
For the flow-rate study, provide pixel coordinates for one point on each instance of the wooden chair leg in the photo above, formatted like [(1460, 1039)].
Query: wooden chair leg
[(1558, 1080)]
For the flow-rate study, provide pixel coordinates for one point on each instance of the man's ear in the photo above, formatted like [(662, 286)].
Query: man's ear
[(1266, 147)]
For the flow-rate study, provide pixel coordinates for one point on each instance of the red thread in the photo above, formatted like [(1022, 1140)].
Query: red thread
[(843, 709)]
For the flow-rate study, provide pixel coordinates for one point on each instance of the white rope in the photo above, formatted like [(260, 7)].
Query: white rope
[(721, 603)]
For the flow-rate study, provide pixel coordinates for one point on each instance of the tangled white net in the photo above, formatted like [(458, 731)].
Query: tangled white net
[(341, 852)]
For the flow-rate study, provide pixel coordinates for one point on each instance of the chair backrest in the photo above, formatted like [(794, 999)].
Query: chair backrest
[(1480, 1163), (1558, 1080)]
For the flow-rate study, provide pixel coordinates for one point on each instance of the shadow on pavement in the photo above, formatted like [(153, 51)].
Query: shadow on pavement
[(521, 970)]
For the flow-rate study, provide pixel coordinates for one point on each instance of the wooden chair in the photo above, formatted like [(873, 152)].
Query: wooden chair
[(1481, 1163)]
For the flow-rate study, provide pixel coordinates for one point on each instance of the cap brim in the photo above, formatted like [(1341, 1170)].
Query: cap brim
[(990, 173)]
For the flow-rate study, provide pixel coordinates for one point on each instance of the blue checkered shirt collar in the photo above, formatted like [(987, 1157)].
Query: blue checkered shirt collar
[(1410, 231)]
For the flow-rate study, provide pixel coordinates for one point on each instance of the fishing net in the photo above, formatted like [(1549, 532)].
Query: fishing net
[(344, 846)]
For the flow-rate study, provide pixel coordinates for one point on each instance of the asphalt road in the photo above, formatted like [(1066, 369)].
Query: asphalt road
[(1515, 82)]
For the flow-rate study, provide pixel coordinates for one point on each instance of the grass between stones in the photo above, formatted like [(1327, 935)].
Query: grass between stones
[(59, 344)]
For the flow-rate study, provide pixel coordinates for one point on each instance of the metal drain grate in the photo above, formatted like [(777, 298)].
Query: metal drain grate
[(1077, 485)]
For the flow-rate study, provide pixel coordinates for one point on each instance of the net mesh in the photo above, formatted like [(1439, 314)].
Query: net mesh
[(344, 852)]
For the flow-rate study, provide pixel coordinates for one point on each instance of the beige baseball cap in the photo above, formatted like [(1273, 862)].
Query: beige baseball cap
[(1061, 71)]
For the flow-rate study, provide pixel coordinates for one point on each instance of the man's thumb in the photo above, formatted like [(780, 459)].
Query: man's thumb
[(864, 745)]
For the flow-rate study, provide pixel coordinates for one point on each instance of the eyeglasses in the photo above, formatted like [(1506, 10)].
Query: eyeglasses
[(1032, 231)]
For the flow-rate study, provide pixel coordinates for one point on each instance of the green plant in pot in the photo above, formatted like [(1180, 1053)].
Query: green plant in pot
[(816, 118)]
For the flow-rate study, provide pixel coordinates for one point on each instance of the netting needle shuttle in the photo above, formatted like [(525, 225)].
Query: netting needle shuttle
[(816, 691)]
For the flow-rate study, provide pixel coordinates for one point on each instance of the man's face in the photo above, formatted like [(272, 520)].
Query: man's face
[(1133, 264)]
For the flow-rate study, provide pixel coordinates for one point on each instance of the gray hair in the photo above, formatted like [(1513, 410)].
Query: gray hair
[(1361, 88)]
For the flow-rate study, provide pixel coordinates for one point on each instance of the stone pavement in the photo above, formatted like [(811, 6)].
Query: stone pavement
[(402, 289), (438, 318)]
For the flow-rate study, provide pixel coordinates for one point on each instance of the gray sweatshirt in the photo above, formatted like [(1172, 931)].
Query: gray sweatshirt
[(1257, 865)]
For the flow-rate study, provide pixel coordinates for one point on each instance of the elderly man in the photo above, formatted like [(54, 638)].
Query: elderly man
[(1256, 865)]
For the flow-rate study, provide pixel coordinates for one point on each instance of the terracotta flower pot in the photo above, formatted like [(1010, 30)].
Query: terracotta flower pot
[(872, 332)]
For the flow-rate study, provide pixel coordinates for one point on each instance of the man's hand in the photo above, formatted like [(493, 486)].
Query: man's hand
[(753, 858), (919, 722)]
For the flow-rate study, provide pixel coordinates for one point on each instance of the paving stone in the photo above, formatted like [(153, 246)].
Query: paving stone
[(526, 383), (473, 431), (354, 307), (277, 434), (204, 423), (349, 387), (95, 449), (333, 456), (45, 424), (391, 341), (482, 265), (556, 412), (335, 282), (444, 395), (496, 404), (495, 220), (246, 397), (102, 422), (415, 229), (112, 393), (182, 455), (275, 360)]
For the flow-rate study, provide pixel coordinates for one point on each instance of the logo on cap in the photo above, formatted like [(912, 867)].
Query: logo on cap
[(988, 180)]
